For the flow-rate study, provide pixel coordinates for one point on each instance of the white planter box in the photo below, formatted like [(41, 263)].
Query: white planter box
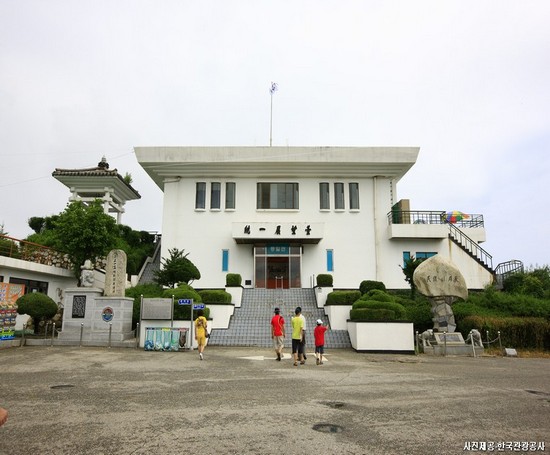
[(236, 295), (220, 314), (397, 337), (338, 316), (321, 294)]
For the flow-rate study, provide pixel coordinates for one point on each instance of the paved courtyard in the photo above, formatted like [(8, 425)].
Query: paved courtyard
[(70, 400)]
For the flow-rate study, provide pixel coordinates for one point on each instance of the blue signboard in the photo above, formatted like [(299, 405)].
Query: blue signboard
[(185, 301), (278, 249), (198, 306)]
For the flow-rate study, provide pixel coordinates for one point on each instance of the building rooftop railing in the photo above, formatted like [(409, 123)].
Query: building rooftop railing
[(32, 252), (434, 217)]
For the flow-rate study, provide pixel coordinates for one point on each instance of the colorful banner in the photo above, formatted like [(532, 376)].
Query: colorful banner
[(9, 293)]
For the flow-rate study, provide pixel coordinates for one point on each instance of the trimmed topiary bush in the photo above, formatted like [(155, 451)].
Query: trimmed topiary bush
[(368, 285), (372, 314), (233, 280), (324, 280), (342, 297), (378, 295), (394, 311), (215, 296), (38, 306)]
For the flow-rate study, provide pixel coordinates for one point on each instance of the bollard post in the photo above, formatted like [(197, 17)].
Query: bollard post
[(110, 330), (487, 339), (46, 331), (416, 347), (23, 335), (445, 344), (53, 333), (137, 335), (499, 341), (473, 344), (81, 333)]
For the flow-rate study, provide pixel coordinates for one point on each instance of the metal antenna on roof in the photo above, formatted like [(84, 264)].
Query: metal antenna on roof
[(274, 87)]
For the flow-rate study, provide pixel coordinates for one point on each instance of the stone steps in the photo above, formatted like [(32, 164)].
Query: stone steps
[(250, 324)]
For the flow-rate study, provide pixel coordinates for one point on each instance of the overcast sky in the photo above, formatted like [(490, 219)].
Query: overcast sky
[(466, 81)]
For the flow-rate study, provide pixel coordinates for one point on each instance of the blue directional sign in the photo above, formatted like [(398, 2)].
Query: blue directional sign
[(185, 301), (198, 306)]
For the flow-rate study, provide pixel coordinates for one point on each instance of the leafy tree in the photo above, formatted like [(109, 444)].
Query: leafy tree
[(84, 232), (177, 269), (408, 269), (38, 306)]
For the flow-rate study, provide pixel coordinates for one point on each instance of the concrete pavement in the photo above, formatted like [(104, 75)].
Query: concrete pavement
[(71, 400)]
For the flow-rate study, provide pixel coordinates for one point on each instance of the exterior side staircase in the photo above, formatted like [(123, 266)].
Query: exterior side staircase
[(250, 324), (471, 247), (151, 265)]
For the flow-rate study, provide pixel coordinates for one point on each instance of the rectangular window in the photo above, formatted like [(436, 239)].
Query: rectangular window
[(354, 196), (277, 196), (406, 257), (424, 255), (200, 196), (324, 196), (31, 285), (339, 196), (330, 261), (215, 195), (230, 195), (225, 260)]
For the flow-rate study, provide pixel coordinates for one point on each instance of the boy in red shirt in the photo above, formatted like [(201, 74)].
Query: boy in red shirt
[(278, 333), (319, 335)]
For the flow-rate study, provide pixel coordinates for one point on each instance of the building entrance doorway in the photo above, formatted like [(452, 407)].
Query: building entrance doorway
[(277, 266)]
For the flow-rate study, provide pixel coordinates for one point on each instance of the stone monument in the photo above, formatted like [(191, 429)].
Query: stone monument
[(442, 283), (115, 274), (95, 316)]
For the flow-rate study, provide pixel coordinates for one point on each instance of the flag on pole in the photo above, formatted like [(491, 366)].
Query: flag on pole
[(274, 88)]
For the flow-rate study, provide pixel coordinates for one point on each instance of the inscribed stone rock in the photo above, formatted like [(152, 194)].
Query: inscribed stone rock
[(437, 277)]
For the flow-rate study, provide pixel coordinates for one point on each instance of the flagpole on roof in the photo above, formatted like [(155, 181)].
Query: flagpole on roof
[(272, 90)]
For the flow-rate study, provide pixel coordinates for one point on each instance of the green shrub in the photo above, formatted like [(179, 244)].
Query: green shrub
[(372, 314), (233, 280), (378, 295), (215, 296), (38, 306), (398, 311), (342, 297), (368, 285), (324, 280), (530, 333)]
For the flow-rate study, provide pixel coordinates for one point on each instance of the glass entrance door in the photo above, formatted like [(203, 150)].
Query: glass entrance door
[(277, 266)]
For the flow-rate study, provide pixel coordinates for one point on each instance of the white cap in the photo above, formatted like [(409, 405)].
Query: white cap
[(319, 322)]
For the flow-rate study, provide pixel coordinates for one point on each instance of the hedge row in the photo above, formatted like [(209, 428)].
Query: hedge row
[(515, 332)]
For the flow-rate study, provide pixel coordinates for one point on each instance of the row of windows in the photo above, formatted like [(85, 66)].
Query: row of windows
[(330, 258), (339, 198), (276, 196), (215, 195)]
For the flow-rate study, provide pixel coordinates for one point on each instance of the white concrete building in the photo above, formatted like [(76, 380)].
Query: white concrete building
[(279, 216)]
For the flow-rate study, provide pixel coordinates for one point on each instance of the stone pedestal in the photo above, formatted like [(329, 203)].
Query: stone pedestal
[(86, 308)]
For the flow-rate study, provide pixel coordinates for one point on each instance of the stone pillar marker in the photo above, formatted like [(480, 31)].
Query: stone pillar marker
[(115, 274)]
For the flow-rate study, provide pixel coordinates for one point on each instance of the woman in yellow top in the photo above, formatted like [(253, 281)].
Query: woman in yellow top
[(201, 331)]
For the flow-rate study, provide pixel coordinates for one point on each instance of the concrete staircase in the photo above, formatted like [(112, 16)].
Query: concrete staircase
[(250, 324), (151, 266)]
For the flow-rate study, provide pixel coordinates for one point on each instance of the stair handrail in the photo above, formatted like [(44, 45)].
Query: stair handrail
[(483, 256), (507, 268)]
